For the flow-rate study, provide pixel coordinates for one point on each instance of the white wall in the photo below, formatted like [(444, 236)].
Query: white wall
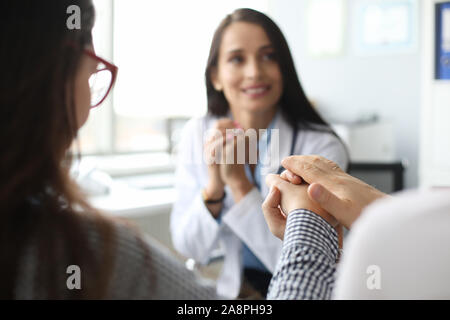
[(349, 86)]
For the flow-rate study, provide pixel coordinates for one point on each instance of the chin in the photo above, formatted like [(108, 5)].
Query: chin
[(259, 107)]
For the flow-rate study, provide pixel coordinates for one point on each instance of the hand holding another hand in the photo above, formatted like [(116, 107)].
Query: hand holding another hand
[(339, 193), (285, 197)]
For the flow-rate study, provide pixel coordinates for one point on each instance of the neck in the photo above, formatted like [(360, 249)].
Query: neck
[(253, 120)]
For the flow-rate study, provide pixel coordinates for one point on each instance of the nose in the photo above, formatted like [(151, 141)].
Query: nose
[(253, 69)]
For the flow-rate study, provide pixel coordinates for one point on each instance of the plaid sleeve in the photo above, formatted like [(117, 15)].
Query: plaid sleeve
[(308, 259)]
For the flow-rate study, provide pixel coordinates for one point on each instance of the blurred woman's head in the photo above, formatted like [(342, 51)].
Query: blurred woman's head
[(251, 68), (43, 69), (44, 99)]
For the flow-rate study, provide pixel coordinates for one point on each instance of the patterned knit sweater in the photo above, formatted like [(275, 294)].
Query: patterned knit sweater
[(143, 269)]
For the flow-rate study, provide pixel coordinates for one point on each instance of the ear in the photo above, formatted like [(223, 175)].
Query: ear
[(215, 79)]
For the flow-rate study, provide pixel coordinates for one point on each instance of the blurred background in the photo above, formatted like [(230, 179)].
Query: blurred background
[(375, 69)]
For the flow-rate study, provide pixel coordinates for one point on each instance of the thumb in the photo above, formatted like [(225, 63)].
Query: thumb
[(275, 219), (327, 200)]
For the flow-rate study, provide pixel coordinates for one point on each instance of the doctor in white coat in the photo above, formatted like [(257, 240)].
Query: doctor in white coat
[(251, 84)]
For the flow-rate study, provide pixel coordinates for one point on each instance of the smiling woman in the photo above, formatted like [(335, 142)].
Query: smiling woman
[(251, 84)]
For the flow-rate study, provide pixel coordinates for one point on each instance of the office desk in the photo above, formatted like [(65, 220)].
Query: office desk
[(379, 174)]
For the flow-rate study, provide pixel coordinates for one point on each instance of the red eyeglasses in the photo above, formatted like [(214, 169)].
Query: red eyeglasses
[(102, 80)]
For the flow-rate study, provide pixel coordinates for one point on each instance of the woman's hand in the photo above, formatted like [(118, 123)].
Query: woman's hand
[(289, 197), (215, 187), (232, 169), (340, 194), (224, 169)]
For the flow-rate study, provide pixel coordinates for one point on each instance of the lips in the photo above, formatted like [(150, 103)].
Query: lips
[(256, 91)]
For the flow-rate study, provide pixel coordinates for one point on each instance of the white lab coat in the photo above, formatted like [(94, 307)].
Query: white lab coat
[(195, 233)]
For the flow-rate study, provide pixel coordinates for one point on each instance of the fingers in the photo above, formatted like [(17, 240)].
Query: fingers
[(308, 160), (274, 180), (311, 168), (328, 201), (291, 177), (224, 126), (220, 129), (218, 140), (237, 125), (213, 150), (234, 151), (225, 135), (302, 166), (225, 123), (273, 199), (275, 218)]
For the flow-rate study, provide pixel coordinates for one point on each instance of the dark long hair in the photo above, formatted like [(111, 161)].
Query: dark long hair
[(39, 203), (295, 107)]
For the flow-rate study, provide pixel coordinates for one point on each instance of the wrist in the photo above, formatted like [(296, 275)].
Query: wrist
[(214, 191), (209, 200), (240, 189)]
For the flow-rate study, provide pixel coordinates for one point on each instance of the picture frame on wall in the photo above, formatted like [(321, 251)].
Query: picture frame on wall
[(385, 27)]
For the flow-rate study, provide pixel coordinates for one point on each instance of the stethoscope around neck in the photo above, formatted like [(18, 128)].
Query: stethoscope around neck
[(293, 143), (291, 152)]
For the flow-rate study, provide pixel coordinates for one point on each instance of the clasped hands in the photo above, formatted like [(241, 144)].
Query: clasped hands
[(319, 185), (222, 151)]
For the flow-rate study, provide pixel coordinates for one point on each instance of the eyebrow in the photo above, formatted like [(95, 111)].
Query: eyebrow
[(267, 46)]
